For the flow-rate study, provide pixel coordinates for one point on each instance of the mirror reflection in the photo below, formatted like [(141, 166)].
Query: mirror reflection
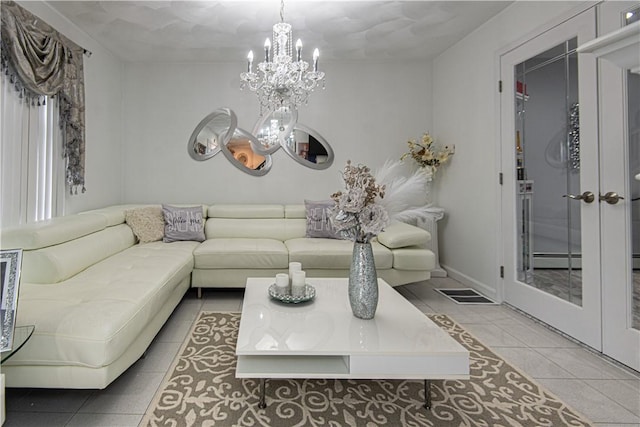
[(211, 133), (308, 147), (239, 150), (274, 127), (547, 169)]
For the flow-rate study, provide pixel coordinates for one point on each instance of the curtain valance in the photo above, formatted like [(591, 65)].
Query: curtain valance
[(42, 62)]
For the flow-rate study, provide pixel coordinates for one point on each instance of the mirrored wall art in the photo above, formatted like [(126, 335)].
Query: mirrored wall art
[(211, 133), (251, 152), (308, 147)]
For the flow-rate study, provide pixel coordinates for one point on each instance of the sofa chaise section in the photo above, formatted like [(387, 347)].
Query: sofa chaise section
[(96, 298)]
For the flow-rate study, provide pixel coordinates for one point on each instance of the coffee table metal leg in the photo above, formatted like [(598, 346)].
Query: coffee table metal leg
[(427, 395), (263, 402)]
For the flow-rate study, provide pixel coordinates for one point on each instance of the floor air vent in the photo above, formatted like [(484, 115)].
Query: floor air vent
[(465, 296)]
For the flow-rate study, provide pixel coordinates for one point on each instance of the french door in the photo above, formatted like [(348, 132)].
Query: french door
[(619, 97), (566, 141)]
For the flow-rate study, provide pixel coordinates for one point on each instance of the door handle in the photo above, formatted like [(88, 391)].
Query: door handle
[(587, 197), (611, 197)]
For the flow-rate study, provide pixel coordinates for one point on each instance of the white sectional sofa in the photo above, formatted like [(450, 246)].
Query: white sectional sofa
[(97, 298)]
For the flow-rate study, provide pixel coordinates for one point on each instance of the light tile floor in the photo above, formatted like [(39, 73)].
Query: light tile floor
[(607, 394)]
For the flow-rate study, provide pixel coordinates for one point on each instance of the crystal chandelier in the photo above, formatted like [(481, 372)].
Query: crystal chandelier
[(280, 81)]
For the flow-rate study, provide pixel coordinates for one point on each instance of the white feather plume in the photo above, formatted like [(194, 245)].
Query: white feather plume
[(406, 197)]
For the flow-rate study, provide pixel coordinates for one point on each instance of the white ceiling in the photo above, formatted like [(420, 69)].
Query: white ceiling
[(227, 30)]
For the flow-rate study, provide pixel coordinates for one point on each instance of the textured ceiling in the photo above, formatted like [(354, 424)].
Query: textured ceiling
[(227, 30)]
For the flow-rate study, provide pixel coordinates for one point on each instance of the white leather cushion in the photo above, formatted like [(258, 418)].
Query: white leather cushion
[(246, 211), (51, 232), (91, 319), (259, 228), (413, 258), (295, 211), (332, 254), (113, 214), (241, 253), (56, 263), (399, 234), (147, 223)]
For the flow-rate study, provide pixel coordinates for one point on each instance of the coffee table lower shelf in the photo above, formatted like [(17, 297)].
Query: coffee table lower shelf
[(352, 367), (341, 367)]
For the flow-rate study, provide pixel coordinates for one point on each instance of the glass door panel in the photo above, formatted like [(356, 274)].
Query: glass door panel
[(547, 150)]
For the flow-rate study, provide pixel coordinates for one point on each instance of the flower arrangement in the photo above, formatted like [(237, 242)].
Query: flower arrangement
[(358, 215), (425, 154)]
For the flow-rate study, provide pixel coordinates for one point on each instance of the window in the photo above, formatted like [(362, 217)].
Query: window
[(31, 162)]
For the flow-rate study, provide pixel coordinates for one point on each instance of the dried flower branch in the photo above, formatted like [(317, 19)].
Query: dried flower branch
[(425, 155)]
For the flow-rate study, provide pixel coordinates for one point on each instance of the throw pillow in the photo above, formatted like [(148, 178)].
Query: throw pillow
[(147, 223), (183, 223), (318, 214)]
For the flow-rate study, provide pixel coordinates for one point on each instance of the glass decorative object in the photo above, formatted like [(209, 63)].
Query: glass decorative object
[(363, 282)]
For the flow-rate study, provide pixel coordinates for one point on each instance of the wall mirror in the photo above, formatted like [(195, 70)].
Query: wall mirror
[(10, 266), (211, 133), (239, 150), (308, 147), (274, 127)]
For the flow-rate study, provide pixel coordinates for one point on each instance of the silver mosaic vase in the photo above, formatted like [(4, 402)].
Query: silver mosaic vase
[(363, 282)]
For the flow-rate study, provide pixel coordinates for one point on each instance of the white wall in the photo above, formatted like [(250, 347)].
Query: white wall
[(366, 113), (103, 97), (466, 113)]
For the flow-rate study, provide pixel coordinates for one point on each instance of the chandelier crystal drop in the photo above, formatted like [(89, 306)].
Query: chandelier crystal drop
[(282, 80)]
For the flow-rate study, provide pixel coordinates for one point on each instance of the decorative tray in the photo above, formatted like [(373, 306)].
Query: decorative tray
[(309, 294)]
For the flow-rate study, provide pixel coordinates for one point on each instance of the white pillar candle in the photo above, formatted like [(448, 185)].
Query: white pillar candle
[(282, 283), (298, 283), (295, 266)]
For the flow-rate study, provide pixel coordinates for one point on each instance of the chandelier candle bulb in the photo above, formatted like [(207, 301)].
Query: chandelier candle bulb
[(282, 283), (299, 49), (298, 283), (267, 48), (250, 58), (316, 55)]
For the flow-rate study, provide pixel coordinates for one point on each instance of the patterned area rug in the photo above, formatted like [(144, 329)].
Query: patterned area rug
[(201, 390)]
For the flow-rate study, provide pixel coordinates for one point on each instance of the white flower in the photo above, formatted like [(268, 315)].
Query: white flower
[(342, 220), (373, 219), (352, 200)]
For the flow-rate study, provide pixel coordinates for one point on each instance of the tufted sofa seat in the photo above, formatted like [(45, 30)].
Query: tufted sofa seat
[(97, 298)]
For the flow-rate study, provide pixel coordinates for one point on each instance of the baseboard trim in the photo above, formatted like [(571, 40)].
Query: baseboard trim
[(482, 288)]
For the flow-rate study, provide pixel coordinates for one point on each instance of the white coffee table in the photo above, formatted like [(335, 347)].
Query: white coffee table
[(322, 338)]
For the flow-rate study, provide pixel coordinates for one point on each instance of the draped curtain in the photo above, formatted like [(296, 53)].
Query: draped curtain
[(42, 62)]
